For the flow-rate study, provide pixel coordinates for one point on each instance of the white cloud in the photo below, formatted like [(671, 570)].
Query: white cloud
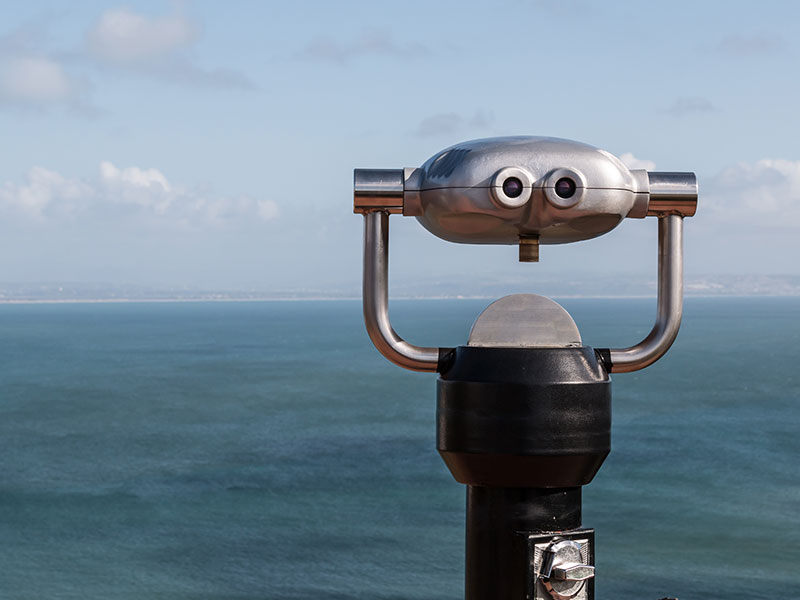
[(761, 196), (759, 44), (124, 36), (134, 176), (267, 209), (155, 47), (448, 124), (630, 161), (368, 42), (574, 9), (32, 78), (137, 192), (35, 76), (221, 209), (147, 188), (764, 195), (689, 105), (44, 192)]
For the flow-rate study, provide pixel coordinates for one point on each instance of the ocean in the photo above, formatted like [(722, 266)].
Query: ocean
[(265, 450)]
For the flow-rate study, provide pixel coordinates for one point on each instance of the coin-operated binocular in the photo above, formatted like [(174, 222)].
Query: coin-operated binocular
[(524, 409)]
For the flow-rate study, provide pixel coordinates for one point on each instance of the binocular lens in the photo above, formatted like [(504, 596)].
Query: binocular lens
[(512, 187), (565, 187)]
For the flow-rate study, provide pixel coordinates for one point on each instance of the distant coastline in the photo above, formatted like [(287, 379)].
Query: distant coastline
[(358, 299), (451, 287)]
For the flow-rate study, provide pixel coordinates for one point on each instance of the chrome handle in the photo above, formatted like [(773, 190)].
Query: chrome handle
[(376, 300), (670, 303)]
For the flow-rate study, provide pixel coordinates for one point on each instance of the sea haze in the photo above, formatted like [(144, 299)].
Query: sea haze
[(266, 450)]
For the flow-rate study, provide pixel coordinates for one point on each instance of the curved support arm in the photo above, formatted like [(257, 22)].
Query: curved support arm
[(670, 303), (376, 300)]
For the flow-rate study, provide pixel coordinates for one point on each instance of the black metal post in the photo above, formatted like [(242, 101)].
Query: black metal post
[(497, 521), (524, 429)]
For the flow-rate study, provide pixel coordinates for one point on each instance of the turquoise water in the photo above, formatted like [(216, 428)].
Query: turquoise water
[(265, 450)]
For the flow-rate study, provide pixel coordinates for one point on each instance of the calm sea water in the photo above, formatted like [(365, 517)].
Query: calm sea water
[(266, 450)]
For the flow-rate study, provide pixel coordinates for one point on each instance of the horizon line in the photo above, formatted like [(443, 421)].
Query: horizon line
[(358, 298)]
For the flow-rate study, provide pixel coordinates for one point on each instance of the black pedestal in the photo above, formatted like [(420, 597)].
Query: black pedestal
[(524, 429)]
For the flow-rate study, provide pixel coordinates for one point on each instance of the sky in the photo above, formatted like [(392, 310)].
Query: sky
[(212, 144)]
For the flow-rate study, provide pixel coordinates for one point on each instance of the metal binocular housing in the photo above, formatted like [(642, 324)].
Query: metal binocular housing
[(501, 190), (526, 191)]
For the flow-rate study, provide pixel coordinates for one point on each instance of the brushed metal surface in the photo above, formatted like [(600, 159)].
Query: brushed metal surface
[(457, 198), (670, 302), (672, 193), (524, 321), (378, 189), (376, 300)]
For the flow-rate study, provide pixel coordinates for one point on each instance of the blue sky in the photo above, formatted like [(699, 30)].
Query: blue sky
[(212, 144)]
